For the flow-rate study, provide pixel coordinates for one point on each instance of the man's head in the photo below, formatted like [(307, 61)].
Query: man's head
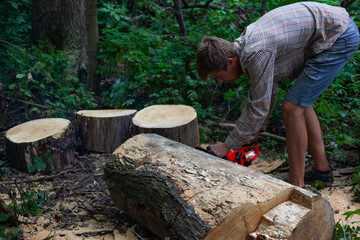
[(218, 58)]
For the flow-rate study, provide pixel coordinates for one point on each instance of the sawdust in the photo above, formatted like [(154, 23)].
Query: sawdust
[(340, 199)]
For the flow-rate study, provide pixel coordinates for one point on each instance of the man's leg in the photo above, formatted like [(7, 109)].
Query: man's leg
[(296, 140), (315, 140)]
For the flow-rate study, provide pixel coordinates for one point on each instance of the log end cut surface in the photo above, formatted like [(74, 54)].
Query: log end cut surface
[(35, 130), (164, 116), (106, 113)]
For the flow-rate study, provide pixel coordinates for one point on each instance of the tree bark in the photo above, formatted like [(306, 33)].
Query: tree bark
[(51, 139), (263, 7), (63, 24), (131, 5), (179, 192), (346, 3), (104, 130), (177, 122), (3, 105), (180, 17), (93, 44)]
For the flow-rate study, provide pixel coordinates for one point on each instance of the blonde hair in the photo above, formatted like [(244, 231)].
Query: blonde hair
[(212, 56)]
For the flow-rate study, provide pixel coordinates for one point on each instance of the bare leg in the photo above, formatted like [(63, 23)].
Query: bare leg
[(296, 140), (316, 143)]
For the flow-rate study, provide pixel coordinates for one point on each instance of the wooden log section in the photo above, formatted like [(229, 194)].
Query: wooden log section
[(104, 130), (176, 122), (51, 139), (179, 192)]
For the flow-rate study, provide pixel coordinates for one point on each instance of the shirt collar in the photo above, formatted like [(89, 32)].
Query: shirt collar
[(239, 44)]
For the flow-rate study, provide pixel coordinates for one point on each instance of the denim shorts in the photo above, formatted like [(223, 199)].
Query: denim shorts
[(319, 71)]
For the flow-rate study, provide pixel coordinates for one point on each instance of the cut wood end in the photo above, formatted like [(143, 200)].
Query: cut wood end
[(164, 116), (37, 129), (104, 113)]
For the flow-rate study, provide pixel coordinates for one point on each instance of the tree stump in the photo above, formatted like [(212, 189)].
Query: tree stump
[(50, 140), (176, 122), (104, 130), (179, 192)]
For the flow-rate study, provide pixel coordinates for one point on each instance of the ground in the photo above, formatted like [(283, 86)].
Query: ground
[(79, 205)]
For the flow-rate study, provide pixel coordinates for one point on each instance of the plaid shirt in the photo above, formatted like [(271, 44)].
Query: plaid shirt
[(274, 48)]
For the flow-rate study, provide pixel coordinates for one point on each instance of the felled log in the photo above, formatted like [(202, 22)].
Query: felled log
[(176, 122), (104, 130), (50, 140), (182, 193)]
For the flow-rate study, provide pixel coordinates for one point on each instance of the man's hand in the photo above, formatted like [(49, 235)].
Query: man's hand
[(220, 149)]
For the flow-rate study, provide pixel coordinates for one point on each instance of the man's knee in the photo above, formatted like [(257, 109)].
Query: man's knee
[(289, 109)]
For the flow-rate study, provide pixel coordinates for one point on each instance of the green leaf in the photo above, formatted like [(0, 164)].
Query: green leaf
[(13, 86), (20, 76), (350, 213), (32, 168), (14, 4), (4, 217), (37, 160), (42, 166)]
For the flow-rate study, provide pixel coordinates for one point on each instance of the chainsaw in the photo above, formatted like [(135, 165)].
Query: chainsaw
[(243, 156)]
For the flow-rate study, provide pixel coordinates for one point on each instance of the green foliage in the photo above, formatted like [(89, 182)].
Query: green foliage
[(338, 108), (12, 234), (4, 217), (347, 231), (40, 76), (153, 63), (38, 164), (34, 201), (15, 20), (356, 184), (152, 66)]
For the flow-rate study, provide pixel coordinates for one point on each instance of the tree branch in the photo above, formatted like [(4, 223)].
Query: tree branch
[(179, 17), (264, 134), (30, 103)]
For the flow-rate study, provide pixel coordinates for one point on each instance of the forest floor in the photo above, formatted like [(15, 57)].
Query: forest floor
[(79, 206)]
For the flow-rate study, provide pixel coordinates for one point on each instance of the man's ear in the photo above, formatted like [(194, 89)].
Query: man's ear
[(231, 61)]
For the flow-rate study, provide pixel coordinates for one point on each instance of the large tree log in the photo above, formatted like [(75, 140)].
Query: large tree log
[(176, 122), (179, 192), (51, 139), (104, 130)]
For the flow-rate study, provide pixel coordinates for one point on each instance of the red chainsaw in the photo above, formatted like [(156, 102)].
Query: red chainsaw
[(243, 156)]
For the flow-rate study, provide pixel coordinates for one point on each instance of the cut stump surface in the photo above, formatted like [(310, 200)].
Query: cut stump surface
[(179, 192), (104, 130), (53, 140), (176, 122)]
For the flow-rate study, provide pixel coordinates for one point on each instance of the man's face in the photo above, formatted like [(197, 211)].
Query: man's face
[(231, 74)]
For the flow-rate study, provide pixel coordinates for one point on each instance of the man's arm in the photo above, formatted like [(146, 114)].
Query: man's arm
[(260, 68)]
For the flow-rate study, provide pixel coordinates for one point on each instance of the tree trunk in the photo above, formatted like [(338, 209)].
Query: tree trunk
[(177, 122), (346, 3), (2, 105), (180, 17), (179, 192), (131, 5), (93, 44), (263, 7), (53, 140), (63, 24), (104, 130)]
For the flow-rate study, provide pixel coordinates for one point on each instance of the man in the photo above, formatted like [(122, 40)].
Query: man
[(306, 41)]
